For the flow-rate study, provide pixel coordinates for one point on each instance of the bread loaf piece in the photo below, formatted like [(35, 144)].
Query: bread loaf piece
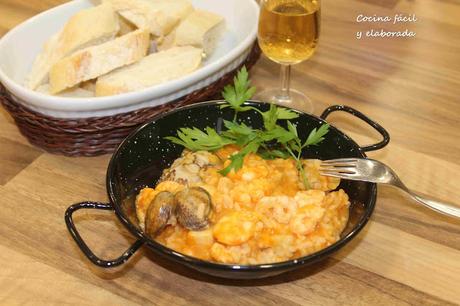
[(174, 11), (95, 61), (86, 28), (159, 16), (200, 29), (152, 70)]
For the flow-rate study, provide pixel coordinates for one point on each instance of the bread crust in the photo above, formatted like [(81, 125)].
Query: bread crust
[(200, 29), (152, 70), (159, 16), (95, 61), (86, 28)]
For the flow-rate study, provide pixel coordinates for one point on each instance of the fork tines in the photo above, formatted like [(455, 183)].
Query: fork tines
[(340, 166)]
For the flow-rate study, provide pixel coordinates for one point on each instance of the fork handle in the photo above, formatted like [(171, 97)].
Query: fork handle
[(440, 207), (444, 208)]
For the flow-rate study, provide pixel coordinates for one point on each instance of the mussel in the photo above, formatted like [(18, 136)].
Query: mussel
[(193, 207), (160, 210)]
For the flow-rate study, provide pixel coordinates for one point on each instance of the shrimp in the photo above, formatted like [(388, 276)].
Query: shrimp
[(236, 228), (281, 208), (306, 220), (309, 197)]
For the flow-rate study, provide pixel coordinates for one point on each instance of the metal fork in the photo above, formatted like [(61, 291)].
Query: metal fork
[(373, 171)]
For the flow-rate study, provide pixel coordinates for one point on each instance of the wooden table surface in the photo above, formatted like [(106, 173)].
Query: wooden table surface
[(406, 254)]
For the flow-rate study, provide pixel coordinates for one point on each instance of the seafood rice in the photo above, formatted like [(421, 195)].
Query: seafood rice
[(260, 214)]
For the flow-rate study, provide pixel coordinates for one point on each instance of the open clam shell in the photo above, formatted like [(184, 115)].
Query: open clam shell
[(158, 213), (193, 207)]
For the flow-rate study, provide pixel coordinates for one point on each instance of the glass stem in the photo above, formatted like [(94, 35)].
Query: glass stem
[(285, 81)]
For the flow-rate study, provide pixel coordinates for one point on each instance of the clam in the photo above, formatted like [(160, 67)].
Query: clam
[(193, 206), (186, 169), (158, 213)]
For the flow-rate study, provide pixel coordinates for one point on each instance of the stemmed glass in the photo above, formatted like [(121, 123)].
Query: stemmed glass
[(288, 34)]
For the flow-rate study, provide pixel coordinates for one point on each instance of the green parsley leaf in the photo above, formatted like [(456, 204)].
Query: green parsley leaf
[(276, 113), (240, 92), (270, 117), (292, 128), (240, 133), (238, 158), (286, 114), (279, 134), (238, 128), (272, 154), (316, 136), (196, 140)]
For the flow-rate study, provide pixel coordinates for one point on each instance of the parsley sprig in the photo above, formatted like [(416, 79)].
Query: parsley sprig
[(273, 141), (196, 140), (239, 93)]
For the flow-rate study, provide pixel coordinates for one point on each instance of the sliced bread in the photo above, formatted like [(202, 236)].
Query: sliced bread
[(86, 28), (201, 29), (95, 61), (159, 16), (152, 70)]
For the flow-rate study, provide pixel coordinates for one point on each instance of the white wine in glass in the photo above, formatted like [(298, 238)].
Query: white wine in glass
[(288, 34)]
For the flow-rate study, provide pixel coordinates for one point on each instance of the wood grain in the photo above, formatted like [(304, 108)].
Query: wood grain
[(14, 157), (407, 255)]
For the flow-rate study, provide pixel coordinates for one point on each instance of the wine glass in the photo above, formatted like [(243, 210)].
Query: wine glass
[(288, 34)]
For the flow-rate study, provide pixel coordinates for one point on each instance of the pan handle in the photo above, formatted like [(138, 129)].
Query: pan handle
[(375, 125), (84, 247)]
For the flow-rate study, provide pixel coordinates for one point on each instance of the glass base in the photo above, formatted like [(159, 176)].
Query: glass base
[(296, 99)]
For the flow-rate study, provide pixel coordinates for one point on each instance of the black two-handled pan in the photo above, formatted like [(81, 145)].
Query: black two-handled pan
[(140, 159)]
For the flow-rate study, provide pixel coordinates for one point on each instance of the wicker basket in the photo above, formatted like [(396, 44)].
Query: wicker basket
[(100, 135)]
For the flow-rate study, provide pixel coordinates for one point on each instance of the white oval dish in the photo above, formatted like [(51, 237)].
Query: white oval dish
[(19, 47)]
